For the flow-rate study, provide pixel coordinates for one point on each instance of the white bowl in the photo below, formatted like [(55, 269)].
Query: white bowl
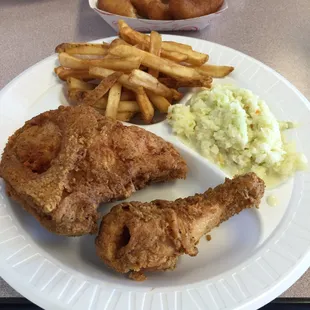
[(147, 25)]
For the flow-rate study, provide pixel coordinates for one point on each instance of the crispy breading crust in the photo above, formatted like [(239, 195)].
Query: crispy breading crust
[(61, 164), (139, 237), (184, 9), (120, 7)]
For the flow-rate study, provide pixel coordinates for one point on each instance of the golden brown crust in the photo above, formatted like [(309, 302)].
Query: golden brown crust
[(142, 7), (158, 10), (139, 237), (181, 9), (61, 164), (119, 7), (83, 220), (137, 276), (161, 9), (36, 148)]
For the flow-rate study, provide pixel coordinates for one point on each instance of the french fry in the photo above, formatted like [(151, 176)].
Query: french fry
[(125, 116), (102, 73), (214, 71), (124, 106), (83, 48), (143, 42), (147, 81), (159, 102), (127, 95), (174, 56), (173, 83), (193, 57), (137, 79), (117, 42), (131, 36), (113, 100), (121, 64), (138, 73), (134, 37), (77, 96), (141, 46), (65, 73), (101, 103), (128, 106), (155, 48), (170, 82), (146, 107), (92, 96), (96, 57), (141, 78), (154, 62), (180, 45), (74, 83), (110, 56)]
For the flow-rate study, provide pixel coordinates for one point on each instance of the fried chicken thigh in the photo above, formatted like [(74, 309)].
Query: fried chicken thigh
[(61, 164), (137, 237)]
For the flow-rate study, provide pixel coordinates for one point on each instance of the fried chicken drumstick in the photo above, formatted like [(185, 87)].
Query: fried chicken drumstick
[(61, 164), (137, 237)]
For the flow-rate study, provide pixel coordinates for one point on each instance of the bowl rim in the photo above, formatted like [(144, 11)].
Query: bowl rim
[(93, 5)]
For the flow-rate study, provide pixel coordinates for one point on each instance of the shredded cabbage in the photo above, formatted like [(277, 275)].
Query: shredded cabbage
[(236, 130)]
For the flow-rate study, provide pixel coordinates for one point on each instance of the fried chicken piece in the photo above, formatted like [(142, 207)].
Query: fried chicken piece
[(119, 7), (136, 237), (184, 9), (159, 10), (61, 164), (142, 7), (153, 9)]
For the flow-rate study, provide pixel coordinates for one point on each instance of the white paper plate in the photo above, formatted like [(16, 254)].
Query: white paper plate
[(251, 259)]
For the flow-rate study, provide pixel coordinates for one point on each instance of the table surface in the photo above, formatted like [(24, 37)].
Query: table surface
[(274, 32)]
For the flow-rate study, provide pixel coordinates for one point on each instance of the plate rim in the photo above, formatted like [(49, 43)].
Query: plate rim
[(264, 297)]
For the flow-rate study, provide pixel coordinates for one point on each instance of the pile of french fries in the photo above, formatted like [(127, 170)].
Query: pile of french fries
[(135, 73)]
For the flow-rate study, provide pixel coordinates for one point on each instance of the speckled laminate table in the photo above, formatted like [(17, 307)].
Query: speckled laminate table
[(275, 32)]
